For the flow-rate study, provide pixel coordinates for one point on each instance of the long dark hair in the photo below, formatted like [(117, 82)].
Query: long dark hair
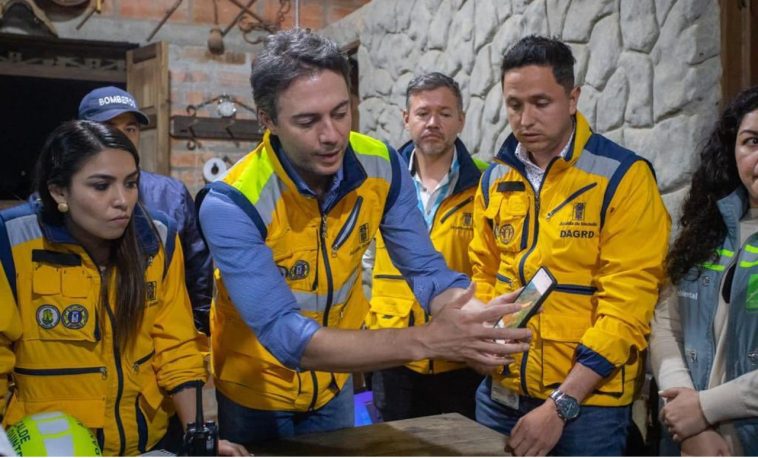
[(702, 226), (65, 152)]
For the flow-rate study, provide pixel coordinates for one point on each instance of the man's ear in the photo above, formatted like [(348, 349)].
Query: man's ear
[(58, 193), (406, 116), (574, 99), (266, 121)]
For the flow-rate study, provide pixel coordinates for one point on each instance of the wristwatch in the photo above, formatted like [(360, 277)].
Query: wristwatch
[(567, 407)]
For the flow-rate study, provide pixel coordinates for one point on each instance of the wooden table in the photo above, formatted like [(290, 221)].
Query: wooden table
[(438, 435)]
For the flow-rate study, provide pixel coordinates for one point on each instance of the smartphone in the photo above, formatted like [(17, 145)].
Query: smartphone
[(530, 299)]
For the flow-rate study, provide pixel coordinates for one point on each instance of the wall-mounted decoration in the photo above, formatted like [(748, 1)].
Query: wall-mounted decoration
[(168, 14), (249, 21), (95, 7), (7, 7), (223, 127)]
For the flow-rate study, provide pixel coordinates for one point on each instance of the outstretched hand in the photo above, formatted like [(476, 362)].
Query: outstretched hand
[(462, 331)]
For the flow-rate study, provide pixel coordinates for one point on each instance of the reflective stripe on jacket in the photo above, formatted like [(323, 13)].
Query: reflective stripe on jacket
[(599, 224), (56, 338), (393, 304), (698, 296), (319, 255)]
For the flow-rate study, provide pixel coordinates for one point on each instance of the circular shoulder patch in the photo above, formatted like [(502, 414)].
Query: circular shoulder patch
[(48, 316), (505, 233), (75, 316)]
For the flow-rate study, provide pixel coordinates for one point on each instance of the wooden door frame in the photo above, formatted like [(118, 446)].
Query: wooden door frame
[(739, 46)]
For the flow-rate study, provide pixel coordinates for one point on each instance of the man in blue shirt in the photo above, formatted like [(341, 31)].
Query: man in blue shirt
[(287, 226), (116, 107)]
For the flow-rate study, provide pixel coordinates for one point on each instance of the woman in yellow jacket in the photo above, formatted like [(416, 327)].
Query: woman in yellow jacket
[(95, 320)]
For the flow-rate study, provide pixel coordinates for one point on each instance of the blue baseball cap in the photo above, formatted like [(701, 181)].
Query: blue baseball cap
[(105, 103)]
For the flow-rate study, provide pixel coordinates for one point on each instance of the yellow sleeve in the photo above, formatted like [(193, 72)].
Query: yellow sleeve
[(178, 358), (634, 242), (483, 252), (10, 331)]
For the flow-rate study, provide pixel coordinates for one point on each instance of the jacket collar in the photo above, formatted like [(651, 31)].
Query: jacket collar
[(582, 134), (143, 224), (469, 173), (348, 178), (733, 207)]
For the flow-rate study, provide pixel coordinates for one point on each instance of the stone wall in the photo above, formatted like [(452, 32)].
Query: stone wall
[(649, 69)]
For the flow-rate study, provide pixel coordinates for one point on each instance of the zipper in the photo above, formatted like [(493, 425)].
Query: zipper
[(98, 336), (119, 378), (569, 199), (314, 286), (504, 279), (536, 220), (389, 277), (329, 280), (299, 383), (576, 289), (347, 229), (537, 192), (141, 426), (63, 371), (142, 361), (455, 209)]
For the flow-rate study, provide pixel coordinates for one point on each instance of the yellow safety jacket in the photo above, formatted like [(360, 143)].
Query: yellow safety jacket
[(56, 338), (393, 304), (599, 224), (318, 254)]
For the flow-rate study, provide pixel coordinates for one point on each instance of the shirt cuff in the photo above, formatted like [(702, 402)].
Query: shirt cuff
[(594, 361), (723, 402), (288, 337)]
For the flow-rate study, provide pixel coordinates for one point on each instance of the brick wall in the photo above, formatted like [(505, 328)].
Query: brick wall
[(195, 77), (313, 13)]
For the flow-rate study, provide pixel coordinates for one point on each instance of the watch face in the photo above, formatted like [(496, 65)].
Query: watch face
[(568, 407)]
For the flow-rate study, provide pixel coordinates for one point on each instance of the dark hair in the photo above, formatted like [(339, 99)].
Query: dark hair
[(429, 82), (702, 227), (287, 56), (542, 51), (65, 152)]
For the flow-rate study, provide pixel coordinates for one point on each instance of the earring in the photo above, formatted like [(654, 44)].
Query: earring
[(63, 207)]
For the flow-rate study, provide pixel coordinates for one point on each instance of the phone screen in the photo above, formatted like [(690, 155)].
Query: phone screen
[(530, 298)]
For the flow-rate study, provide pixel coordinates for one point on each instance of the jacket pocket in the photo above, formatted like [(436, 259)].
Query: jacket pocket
[(250, 364), (344, 233), (560, 335), (296, 257), (61, 305), (389, 312), (510, 221)]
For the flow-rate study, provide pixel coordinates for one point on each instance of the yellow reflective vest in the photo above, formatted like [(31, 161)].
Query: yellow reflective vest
[(319, 255), (599, 224), (56, 339), (393, 304)]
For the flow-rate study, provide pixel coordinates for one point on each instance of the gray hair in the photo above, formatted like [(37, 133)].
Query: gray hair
[(429, 82), (287, 56)]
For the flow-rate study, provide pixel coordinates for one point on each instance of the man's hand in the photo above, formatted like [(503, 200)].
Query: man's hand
[(537, 432), (705, 443), (227, 448), (473, 305), (682, 413), (459, 332)]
